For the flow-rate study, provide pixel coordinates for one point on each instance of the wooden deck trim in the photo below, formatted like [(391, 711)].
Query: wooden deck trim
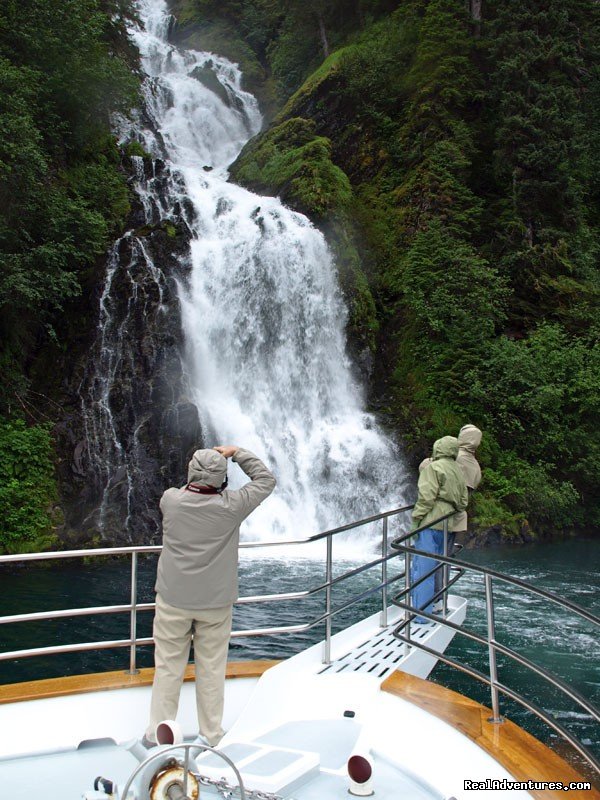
[(520, 753), (104, 681)]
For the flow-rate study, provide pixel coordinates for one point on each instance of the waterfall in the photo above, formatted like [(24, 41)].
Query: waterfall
[(263, 356)]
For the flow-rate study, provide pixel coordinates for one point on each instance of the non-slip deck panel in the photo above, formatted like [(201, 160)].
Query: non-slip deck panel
[(521, 754), (378, 656), (77, 684)]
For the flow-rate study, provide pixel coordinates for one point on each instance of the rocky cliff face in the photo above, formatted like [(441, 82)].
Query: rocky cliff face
[(129, 423)]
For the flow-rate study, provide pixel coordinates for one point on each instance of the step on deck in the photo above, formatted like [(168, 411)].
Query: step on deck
[(380, 655)]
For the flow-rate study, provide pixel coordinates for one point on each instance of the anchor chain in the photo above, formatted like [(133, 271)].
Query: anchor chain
[(227, 791)]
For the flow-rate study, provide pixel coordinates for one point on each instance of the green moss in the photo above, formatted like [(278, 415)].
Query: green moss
[(312, 83), (134, 148), (291, 161)]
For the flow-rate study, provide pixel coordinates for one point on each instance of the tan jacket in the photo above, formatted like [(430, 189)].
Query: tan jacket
[(469, 440), (198, 566)]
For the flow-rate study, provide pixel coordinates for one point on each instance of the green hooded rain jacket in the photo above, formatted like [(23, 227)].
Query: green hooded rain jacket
[(442, 487)]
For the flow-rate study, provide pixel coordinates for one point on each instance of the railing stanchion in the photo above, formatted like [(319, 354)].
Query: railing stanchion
[(445, 571), (133, 618), (407, 614), (491, 637), (384, 551), (328, 579)]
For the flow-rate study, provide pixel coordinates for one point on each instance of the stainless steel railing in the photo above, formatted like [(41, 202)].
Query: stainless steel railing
[(133, 607), (489, 641), (452, 569)]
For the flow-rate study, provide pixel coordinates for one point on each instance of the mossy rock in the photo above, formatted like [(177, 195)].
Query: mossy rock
[(292, 162), (310, 87)]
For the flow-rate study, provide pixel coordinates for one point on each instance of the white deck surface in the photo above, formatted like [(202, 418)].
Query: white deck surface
[(293, 718)]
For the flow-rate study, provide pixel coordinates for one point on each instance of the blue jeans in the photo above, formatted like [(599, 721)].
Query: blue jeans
[(433, 542), (439, 575)]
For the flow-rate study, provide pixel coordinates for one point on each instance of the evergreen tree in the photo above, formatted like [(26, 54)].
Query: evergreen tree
[(540, 58)]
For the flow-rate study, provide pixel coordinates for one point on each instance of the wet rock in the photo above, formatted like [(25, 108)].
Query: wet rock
[(129, 423), (207, 77)]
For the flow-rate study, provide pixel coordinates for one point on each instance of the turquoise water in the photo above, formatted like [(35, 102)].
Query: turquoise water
[(544, 633)]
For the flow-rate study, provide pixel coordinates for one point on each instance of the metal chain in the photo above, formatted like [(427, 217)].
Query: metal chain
[(227, 791)]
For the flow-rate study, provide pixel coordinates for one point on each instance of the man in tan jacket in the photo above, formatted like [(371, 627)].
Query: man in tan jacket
[(197, 583), (469, 439)]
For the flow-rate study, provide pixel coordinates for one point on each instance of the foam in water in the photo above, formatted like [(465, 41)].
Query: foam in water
[(262, 314)]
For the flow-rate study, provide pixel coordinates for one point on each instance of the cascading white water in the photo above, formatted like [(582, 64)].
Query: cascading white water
[(262, 314)]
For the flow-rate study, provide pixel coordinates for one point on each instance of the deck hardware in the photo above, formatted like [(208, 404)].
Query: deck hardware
[(384, 551), (360, 772), (445, 573), (168, 731), (104, 785), (328, 579), (349, 713), (176, 750), (168, 784), (227, 791)]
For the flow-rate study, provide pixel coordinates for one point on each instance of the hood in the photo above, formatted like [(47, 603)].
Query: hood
[(469, 438), (446, 447), (208, 468)]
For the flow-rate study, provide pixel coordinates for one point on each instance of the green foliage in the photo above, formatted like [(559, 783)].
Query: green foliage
[(27, 487), (134, 148), (61, 191), (540, 82), (296, 164), (472, 155), (449, 288), (544, 406)]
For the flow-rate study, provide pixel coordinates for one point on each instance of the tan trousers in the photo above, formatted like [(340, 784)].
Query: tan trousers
[(173, 632)]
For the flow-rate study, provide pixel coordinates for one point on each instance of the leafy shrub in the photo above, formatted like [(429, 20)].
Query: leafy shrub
[(27, 487)]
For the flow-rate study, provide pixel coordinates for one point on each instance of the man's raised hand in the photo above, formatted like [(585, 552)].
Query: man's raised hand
[(226, 450)]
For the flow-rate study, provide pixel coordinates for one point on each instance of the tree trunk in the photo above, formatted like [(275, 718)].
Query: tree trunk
[(475, 9)]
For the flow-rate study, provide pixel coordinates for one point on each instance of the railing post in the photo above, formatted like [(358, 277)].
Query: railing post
[(384, 551), (328, 578), (445, 571), (133, 617), (407, 615), (491, 637)]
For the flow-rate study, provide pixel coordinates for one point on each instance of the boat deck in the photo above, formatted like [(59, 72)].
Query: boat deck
[(292, 727)]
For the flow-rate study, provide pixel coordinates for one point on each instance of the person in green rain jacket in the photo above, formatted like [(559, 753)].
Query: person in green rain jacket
[(442, 489)]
